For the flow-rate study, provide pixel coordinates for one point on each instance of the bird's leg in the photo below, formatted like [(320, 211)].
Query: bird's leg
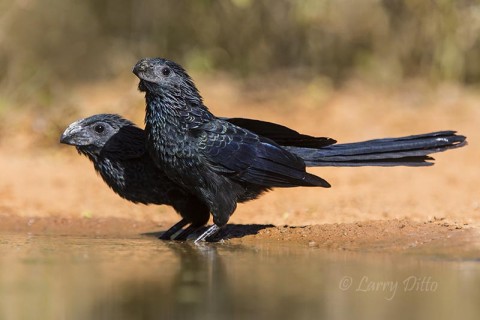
[(174, 229), (182, 236), (209, 232)]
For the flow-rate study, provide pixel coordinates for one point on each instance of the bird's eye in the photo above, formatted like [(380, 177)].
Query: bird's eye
[(99, 128), (166, 71)]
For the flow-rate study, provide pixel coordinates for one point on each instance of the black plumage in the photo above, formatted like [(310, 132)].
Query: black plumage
[(117, 150), (221, 163)]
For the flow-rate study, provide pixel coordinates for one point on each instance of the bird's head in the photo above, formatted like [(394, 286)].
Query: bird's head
[(161, 77), (90, 135)]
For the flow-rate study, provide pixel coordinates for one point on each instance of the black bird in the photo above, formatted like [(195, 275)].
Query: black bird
[(222, 163), (117, 149)]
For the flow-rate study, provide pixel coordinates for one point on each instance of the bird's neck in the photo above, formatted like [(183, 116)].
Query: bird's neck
[(169, 115), (183, 108), (111, 171), (169, 120)]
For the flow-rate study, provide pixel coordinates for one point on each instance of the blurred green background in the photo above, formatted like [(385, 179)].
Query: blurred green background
[(46, 46)]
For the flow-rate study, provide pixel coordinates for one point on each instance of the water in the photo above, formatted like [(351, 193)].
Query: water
[(63, 277)]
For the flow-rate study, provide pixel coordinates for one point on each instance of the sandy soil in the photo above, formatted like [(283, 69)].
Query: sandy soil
[(45, 187)]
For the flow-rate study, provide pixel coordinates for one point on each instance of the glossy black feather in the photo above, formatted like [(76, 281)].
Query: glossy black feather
[(119, 156), (219, 161), (215, 160), (408, 151), (282, 135), (250, 158)]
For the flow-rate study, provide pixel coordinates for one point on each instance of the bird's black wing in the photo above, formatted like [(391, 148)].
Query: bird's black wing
[(127, 143), (245, 156), (282, 135)]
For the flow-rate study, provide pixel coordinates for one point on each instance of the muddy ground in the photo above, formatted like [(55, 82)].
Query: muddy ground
[(47, 188)]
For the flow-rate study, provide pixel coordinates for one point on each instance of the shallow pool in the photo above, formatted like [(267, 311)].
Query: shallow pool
[(64, 277)]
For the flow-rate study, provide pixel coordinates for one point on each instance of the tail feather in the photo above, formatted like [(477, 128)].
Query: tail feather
[(404, 151)]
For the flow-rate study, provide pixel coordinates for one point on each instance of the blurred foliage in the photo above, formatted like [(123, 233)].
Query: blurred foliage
[(45, 45)]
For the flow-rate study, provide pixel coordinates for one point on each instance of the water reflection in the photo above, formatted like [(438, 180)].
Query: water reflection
[(198, 289), (52, 277)]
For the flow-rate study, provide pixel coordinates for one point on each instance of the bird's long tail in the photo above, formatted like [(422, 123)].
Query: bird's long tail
[(404, 151)]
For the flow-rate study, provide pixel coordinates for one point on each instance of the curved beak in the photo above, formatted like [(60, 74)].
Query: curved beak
[(144, 69), (140, 67), (73, 135)]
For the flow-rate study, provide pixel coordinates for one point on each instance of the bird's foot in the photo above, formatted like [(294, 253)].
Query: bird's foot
[(167, 235), (208, 233), (183, 236)]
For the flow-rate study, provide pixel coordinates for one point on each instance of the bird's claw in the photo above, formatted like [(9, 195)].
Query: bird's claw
[(208, 233)]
